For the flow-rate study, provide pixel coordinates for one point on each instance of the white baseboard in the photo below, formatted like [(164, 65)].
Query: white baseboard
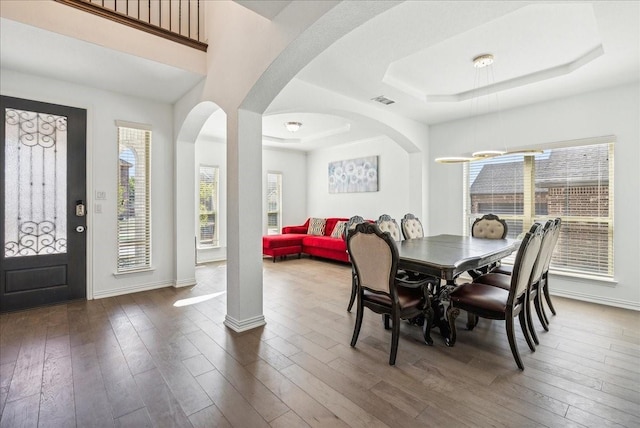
[(635, 306), (131, 289), (185, 282), (244, 325)]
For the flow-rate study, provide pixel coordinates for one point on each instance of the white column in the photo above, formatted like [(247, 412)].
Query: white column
[(244, 217)]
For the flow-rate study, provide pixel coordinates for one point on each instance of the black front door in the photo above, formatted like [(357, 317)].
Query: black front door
[(42, 204)]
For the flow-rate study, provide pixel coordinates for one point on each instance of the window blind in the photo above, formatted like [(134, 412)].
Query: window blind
[(208, 228), (573, 183), (134, 209), (274, 202)]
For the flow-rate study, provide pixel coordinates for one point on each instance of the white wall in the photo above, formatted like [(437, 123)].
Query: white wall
[(293, 166), (610, 112), (392, 196), (103, 109)]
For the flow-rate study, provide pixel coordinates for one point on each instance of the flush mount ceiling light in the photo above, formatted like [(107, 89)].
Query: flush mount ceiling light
[(292, 126)]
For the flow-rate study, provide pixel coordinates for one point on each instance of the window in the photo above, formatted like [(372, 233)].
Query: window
[(274, 202), (134, 208), (208, 211), (574, 183)]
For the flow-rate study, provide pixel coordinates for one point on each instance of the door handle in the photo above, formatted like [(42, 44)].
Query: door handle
[(80, 209)]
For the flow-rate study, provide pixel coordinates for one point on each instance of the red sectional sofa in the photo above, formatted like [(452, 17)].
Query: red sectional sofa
[(296, 240)]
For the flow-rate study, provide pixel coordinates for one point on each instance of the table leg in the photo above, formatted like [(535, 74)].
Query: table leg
[(442, 302)]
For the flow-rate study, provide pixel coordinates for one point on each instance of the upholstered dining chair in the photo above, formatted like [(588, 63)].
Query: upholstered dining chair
[(374, 255), (491, 302), (350, 227), (535, 281), (545, 273), (411, 227), (489, 226), (388, 224), (544, 284)]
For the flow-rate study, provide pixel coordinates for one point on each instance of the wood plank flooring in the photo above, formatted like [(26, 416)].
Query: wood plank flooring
[(163, 358)]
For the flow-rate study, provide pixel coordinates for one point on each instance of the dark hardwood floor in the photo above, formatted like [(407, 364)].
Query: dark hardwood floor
[(163, 358)]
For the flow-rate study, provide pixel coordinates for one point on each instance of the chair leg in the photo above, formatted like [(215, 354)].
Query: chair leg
[(527, 330), (547, 297), (512, 342), (395, 336), (452, 314), (356, 328), (354, 290), (472, 320), (540, 311)]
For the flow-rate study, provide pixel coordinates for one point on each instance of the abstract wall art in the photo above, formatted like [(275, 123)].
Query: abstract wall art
[(354, 175)]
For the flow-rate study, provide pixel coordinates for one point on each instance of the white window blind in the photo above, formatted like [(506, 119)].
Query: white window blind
[(573, 183), (134, 208), (274, 202), (208, 211)]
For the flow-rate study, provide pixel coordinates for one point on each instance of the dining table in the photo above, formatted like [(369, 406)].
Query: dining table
[(447, 257)]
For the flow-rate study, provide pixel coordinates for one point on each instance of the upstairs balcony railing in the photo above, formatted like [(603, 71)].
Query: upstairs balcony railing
[(179, 20)]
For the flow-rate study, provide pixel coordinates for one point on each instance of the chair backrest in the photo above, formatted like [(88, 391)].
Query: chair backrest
[(545, 248), (411, 227), (489, 226), (375, 257), (554, 240), (351, 225), (525, 260), (388, 224)]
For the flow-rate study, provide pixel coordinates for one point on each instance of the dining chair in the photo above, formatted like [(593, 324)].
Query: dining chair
[(535, 281), (411, 227), (544, 284), (350, 227), (489, 226), (545, 273), (374, 255), (486, 301), (388, 224)]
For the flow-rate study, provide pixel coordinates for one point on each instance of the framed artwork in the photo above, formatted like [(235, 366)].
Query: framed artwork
[(354, 175)]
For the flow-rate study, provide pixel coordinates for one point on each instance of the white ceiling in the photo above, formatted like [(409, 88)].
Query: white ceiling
[(418, 53)]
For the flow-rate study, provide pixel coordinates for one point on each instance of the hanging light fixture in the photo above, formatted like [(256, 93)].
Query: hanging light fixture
[(293, 126), (479, 62)]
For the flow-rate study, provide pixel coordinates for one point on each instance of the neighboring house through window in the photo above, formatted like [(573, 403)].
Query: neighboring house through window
[(274, 203), (573, 183), (208, 207), (134, 207)]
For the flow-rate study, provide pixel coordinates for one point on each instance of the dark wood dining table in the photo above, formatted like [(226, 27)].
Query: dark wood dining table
[(446, 257)]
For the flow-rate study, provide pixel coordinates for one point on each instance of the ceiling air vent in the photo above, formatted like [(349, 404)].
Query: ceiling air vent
[(384, 100)]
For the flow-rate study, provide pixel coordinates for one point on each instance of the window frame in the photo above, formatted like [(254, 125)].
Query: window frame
[(529, 216), (215, 204), (275, 230), (144, 244)]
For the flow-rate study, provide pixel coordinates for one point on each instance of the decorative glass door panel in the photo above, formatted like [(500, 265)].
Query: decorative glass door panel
[(42, 192), (35, 218)]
